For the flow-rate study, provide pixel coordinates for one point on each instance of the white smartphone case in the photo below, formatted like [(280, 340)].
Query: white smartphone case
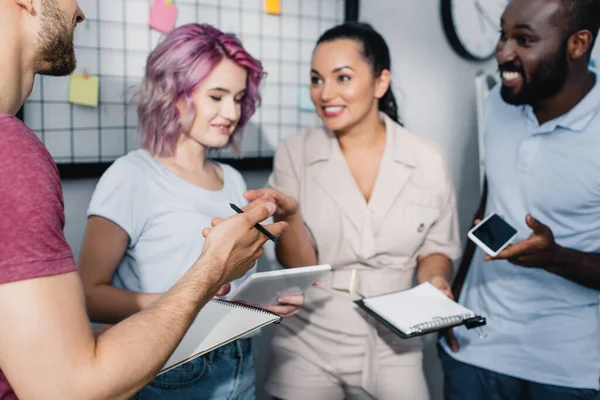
[(482, 245)]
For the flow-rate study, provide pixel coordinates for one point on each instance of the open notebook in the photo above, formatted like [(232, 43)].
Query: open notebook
[(418, 311), (218, 323)]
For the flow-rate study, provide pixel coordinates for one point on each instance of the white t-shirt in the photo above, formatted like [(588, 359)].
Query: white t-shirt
[(164, 216)]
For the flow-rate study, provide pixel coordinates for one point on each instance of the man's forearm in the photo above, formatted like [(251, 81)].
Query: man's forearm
[(151, 335), (295, 247), (579, 267)]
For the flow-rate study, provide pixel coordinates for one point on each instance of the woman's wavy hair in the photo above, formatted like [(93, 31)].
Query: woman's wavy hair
[(174, 70)]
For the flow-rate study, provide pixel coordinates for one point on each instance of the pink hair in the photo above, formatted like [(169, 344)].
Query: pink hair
[(174, 70)]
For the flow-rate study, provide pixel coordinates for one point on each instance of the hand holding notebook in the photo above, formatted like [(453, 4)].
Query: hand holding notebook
[(418, 311)]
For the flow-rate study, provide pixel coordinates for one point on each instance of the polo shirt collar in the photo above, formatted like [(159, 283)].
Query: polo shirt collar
[(575, 120)]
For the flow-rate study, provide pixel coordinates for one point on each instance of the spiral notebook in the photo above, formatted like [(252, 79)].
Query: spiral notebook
[(418, 311), (218, 323)]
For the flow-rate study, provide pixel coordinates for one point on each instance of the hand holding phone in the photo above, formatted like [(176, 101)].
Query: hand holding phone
[(492, 234)]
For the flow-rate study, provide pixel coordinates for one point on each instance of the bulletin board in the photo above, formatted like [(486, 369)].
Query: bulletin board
[(113, 43)]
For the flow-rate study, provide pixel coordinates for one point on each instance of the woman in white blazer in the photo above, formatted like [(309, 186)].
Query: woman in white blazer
[(377, 203)]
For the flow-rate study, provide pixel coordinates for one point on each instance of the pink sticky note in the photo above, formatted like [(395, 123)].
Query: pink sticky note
[(163, 15)]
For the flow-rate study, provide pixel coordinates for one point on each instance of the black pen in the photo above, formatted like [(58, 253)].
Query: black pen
[(257, 226)]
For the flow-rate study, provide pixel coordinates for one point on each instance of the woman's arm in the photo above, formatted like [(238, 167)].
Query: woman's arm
[(104, 245), (295, 247), (436, 269)]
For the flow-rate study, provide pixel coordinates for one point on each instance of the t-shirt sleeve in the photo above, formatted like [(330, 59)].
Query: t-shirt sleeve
[(120, 197), (32, 219)]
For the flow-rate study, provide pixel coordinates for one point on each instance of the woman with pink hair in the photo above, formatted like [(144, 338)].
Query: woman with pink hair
[(147, 213)]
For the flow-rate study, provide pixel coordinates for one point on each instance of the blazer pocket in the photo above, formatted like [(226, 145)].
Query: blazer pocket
[(407, 227)]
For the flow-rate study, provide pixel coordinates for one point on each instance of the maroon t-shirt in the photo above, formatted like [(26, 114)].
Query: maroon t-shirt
[(32, 242)]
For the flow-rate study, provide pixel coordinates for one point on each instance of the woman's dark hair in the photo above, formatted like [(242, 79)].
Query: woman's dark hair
[(374, 50)]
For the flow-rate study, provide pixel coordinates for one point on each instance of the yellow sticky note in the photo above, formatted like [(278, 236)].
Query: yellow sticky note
[(83, 89), (273, 7)]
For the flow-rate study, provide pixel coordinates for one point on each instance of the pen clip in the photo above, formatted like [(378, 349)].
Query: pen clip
[(476, 323)]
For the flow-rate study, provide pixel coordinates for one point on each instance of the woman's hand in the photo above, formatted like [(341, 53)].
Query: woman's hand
[(288, 305), (442, 284), (287, 206), (224, 290)]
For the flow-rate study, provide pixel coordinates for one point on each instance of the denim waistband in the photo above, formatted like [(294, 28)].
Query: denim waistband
[(237, 349)]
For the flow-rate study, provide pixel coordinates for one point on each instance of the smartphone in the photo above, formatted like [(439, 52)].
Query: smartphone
[(492, 234)]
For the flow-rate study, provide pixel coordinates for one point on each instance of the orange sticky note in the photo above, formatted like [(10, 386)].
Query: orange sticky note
[(273, 7), (163, 15), (83, 89)]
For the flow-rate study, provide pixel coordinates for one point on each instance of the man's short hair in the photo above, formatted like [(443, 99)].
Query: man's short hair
[(581, 15)]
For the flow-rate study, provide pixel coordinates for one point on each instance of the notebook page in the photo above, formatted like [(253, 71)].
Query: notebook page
[(217, 324), (420, 304)]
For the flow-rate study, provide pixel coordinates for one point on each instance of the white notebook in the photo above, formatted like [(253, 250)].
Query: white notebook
[(218, 323), (420, 310)]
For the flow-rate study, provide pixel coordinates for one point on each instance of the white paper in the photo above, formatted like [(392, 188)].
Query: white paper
[(419, 305)]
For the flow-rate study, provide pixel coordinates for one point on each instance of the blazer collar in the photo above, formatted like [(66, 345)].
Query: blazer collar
[(333, 175), (323, 144)]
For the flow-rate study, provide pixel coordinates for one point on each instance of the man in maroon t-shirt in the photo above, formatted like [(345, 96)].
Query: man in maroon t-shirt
[(47, 349)]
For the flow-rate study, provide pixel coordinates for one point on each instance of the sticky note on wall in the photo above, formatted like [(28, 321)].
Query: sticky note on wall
[(305, 102), (163, 15), (83, 89), (273, 7)]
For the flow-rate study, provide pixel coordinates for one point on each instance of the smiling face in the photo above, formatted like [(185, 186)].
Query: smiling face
[(218, 103), (343, 87), (56, 54), (532, 51)]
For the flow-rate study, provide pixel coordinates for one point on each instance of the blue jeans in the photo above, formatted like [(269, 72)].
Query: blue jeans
[(467, 382), (226, 373)]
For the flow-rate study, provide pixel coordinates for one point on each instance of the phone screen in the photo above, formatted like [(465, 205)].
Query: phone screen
[(494, 232)]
